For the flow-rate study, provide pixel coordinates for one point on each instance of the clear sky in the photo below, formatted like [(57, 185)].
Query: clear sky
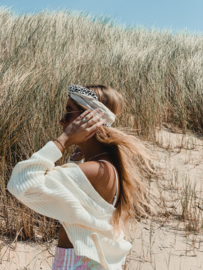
[(176, 15)]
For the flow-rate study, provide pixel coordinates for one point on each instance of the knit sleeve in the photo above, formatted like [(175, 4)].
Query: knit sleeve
[(44, 188)]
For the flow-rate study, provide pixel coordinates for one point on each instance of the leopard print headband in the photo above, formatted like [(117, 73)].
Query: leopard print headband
[(82, 90)]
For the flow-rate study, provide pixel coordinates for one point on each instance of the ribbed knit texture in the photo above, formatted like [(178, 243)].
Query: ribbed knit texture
[(64, 193)]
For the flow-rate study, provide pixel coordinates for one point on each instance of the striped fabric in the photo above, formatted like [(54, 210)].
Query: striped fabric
[(65, 259)]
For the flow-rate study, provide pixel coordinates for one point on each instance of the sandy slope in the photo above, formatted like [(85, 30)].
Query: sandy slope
[(162, 242), (170, 246), (27, 256)]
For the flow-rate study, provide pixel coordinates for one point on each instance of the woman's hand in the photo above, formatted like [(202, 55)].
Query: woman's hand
[(79, 131)]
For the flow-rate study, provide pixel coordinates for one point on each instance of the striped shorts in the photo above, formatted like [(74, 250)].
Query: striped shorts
[(65, 259)]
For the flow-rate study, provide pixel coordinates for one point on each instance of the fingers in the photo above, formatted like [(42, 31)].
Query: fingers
[(93, 123), (90, 115), (96, 126), (87, 114), (93, 120), (90, 135)]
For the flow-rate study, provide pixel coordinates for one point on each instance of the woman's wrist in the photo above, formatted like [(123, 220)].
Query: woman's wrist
[(62, 142), (59, 146)]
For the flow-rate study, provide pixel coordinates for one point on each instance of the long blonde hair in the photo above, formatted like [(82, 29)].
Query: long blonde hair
[(132, 159)]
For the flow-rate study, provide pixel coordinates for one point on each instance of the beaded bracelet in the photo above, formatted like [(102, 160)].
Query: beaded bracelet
[(61, 144)]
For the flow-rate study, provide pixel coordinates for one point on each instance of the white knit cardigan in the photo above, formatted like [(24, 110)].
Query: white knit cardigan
[(64, 193)]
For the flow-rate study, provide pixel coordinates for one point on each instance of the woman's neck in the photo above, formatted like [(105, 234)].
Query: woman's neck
[(91, 148)]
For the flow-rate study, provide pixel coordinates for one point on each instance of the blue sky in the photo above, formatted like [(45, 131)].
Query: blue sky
[(176, 15)]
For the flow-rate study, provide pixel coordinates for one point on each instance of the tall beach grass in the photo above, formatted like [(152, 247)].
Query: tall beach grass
[(159, 73)]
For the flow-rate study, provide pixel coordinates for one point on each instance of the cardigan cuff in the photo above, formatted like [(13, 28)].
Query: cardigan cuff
[(50, 151)]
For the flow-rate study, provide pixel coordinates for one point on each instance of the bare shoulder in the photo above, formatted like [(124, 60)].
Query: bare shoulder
[(100, 174)]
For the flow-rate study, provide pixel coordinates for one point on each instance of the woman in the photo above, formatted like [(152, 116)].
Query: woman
[(93, 199)]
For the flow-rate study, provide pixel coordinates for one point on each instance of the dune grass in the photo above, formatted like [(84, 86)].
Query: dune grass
[(159, 73)]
